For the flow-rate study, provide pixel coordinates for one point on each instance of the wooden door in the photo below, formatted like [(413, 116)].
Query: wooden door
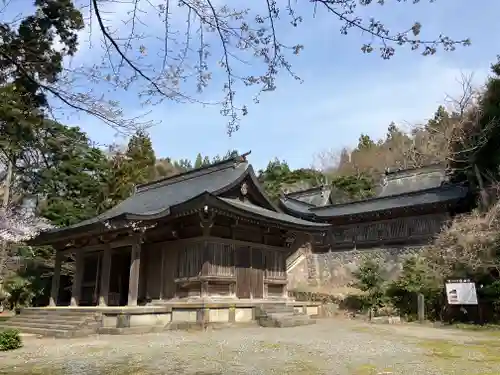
[(257, 283), (243, 272)]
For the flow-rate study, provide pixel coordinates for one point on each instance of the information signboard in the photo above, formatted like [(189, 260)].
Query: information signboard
[(461, 292)]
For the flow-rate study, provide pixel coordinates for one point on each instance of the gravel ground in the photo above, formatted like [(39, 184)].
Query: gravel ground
[(330, 347)]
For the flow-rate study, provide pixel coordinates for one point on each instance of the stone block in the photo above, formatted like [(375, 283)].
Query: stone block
[(312, 310), (123, 321), (184, 315), (137, 320), (109, 321), (219, 316), (243, 314)]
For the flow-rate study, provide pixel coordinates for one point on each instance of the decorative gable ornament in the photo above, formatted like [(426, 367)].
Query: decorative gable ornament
[(244, 189)]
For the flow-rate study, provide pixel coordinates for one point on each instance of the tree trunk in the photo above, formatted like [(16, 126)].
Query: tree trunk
[(3, 211), (482, 192)]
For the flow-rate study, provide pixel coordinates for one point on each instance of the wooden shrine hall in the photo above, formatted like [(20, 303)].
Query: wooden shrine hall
[(207, 234)]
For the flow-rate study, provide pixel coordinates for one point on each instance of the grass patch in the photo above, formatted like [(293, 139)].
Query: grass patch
[(364, 370), (486, 328), (270, 345), (299, 367), (4, 318), (485, 354), (441, 349)]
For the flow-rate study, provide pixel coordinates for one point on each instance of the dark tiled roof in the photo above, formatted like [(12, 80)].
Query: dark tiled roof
[(410, 180), (429, 196), (278, 216), (292, 204), (156, 198), (316, 196), (339, 196), (405, 188)]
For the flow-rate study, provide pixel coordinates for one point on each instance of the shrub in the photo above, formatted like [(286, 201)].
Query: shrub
[(416, 278), (370, 279), (10, 340)]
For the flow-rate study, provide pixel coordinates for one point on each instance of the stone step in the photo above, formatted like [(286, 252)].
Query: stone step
[(59, 333), (55, 323), (294, 323), (38, 324), (74, 320), (20, 319), (288, 321), (274, 309), (58, 312), (282, 315)]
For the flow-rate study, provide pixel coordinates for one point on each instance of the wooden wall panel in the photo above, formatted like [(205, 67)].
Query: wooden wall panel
[(257, 273), (398, 229), (154, 266), (243, 272), (274, 290), (170, 259)]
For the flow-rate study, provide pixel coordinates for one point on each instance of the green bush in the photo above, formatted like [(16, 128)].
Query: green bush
[(10, 340), (416, 278), (370, 279)]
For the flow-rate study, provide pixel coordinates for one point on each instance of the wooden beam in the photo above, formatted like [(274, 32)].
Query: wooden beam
[(128, 241), (224, 241)]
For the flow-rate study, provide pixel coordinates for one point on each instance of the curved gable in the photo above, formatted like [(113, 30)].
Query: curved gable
[(255, 192)]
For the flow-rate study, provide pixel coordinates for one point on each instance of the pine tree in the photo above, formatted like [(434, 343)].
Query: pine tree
[(127, 169), (198, 163), (365, 142), (72, 176), (142, 157), (206, 162)]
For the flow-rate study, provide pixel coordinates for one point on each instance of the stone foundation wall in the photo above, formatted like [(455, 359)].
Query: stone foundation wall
[(335, 268)]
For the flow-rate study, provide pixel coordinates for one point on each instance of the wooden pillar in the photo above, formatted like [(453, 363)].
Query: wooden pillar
[(162, 272), (135, 265), (105, 276), (204, 289), (285, 290), (77, 279), (54, 291)]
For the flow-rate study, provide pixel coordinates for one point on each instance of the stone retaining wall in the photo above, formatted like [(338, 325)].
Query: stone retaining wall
[(335, 268)]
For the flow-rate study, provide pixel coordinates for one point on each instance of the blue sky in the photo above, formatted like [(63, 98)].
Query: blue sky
[(344, 92)]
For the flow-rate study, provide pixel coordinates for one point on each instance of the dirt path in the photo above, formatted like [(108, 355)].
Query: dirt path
[(330, 347)]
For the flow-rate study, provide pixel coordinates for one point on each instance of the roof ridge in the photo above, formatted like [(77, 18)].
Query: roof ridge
[(423, 168), (287, 198), (311, 189), (193, 173)]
